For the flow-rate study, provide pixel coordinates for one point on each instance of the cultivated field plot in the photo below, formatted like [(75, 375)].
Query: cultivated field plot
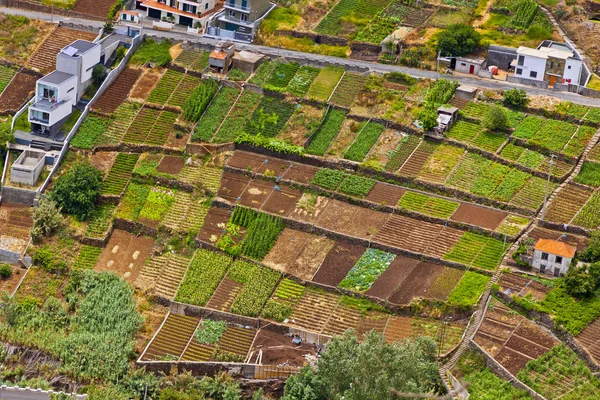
[(561, 374), (119, 124), (94, 8), (120, 173), (165, 87), (99, 221), (233, 344), (6, 74), (18, 91), (15, 223), (151, 127), (332, 23), (348, 88), (512, 339), (238, 117), (324, 84), (270, 106), (44, 58), (567, 203), (276, 349), (118, 92), (193, 59), (214, 115), (125, 254), (161, 275), (589, 339), (302, 124), (521, 285)]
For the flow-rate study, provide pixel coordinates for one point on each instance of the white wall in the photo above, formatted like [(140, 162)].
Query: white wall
[(551, 263), (531, 64), (574, 72), (89, 60)]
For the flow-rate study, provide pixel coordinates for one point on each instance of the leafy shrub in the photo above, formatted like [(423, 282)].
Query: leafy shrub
[(44, 257), (152, 52), (357, 185), (46, 218), (400, 77), (515, 98), (195, 105), (5, 271), (209, 332), (76, 191), (428, 118), (458, 40), (495, 119), (277, 311)]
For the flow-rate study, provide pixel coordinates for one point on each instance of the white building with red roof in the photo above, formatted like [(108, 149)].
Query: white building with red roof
[(552, 257)]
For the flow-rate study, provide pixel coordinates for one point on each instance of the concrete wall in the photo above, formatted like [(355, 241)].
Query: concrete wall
[(501, 56), (526, 81), (572, 71), (17, 195)]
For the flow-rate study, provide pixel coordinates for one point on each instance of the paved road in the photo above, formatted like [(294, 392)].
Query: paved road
[(375, 67)]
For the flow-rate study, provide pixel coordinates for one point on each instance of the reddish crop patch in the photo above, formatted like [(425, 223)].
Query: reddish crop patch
[(383, 193), (338, 262), (124, 254), (146, 83), (94, 8), (256, 193), (172, 338), (478, 216), (118, 91), (232, 186), (171, 165), (396, 273), (416, 283), (282, 201)]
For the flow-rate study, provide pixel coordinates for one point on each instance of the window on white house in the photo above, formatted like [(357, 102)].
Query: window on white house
[(244, 17), (521, 60), (231, 13), (569, 67), (519, 71), (206, 6), (559, 260), (545, 256), (533, 74), (463, 64)]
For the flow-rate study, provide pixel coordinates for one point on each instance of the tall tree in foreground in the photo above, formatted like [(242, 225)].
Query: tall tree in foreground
[(351, 370)]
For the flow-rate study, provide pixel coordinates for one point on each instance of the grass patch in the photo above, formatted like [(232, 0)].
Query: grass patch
[(589, 174)]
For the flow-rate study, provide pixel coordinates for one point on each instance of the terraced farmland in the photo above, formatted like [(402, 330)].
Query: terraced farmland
[(119, 174)]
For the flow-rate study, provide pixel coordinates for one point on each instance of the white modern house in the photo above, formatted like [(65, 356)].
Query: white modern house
[(58, 92), (551, 62), (239, 20), (182, 12), (552, 257)]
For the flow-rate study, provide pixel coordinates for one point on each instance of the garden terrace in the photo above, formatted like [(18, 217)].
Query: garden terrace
[(150, 126), (183, 91), (512, 339), (305, 120), (119, 175), (332, 23), (124, 254), (522, 285), (44, 57), (193, 60), (324, 84), (281, 76), (589, 339), (166, 87), (347, 184), (300, 83), (162, 275), (567, 203), (18, 91), (270, 117), (15, 223), (88, 256), (119, 124), (215, 114), (6, 74), (347, 89), (100, 221), (117, 92), (238, 117), (560, 374)]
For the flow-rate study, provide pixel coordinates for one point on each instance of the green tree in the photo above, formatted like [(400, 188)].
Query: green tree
[(6, 136), (495, 119), (77, 190), (46, 218), (515, 98), (579, 283), (592, 251), (99, 73), (458, 40), (367, 370), (428, 118)]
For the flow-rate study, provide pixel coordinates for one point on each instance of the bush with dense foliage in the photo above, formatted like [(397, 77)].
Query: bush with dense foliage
[(76, 191), (46, 218), (367, 370), (458, 40), (515, 98), (495, 119), (5, 271)]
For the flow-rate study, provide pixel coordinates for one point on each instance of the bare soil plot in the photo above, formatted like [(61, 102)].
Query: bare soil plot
[(372, 321), (278, 349), (256, 193), (386, 194), (518, 284), (416, 283), (103, 160), (125, 254), (275, 166), (287, 248), (589, 339), (309, 208), (345, 318), (398, 328), (365, 223), (512, 339), (245, 160), (387, 283), (94, 8), (225, 294), (311, 257), (44, 58), (171, 165), (20, 88), (214, 224), (15, 223), (232, 186), (118, 91), (338, 262), (337, 215), (146, 83), (478, 216), (300, 173), (313, 310), (154, 315), (282, 201), (9, 285), (387, 142), (417, 160)]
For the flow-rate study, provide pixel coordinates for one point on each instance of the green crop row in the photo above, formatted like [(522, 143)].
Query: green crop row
[(405, 148), (6, 74), (300, 83), (88, 256), (528, 128), (328, 178), (261, 236), (238, 117), (269, 117), (348, 88), (90, 130), (589, 215), (205, 272), (574, 110), (215, 114), (578, 142), (428, 205), (281, 76), (133, 201), (467, 291), (165, 87), (196, 103), (259, 283), (100, 220), (366, 139), (589, 174), (477, 250), (324, 83), (157, 204), (367, 269), (554, 135), (263, 73), (349, 12), (326, 132), (358, 186)]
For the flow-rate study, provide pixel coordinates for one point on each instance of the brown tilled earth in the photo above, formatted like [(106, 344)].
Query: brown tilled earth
[(94, 8), (117, 92), (20, 88), (125, 254)]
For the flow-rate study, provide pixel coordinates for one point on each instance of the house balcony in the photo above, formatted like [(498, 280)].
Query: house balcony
[(237, 7), (228, 18), (56, 111)]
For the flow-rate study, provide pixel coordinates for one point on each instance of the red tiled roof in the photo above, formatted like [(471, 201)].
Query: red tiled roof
[(160, 6), (555, 247)]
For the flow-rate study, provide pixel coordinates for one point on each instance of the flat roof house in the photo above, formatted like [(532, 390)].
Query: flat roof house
[(238, 20), (182, 12), (58, 92), (552, 257), (551, 62)]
